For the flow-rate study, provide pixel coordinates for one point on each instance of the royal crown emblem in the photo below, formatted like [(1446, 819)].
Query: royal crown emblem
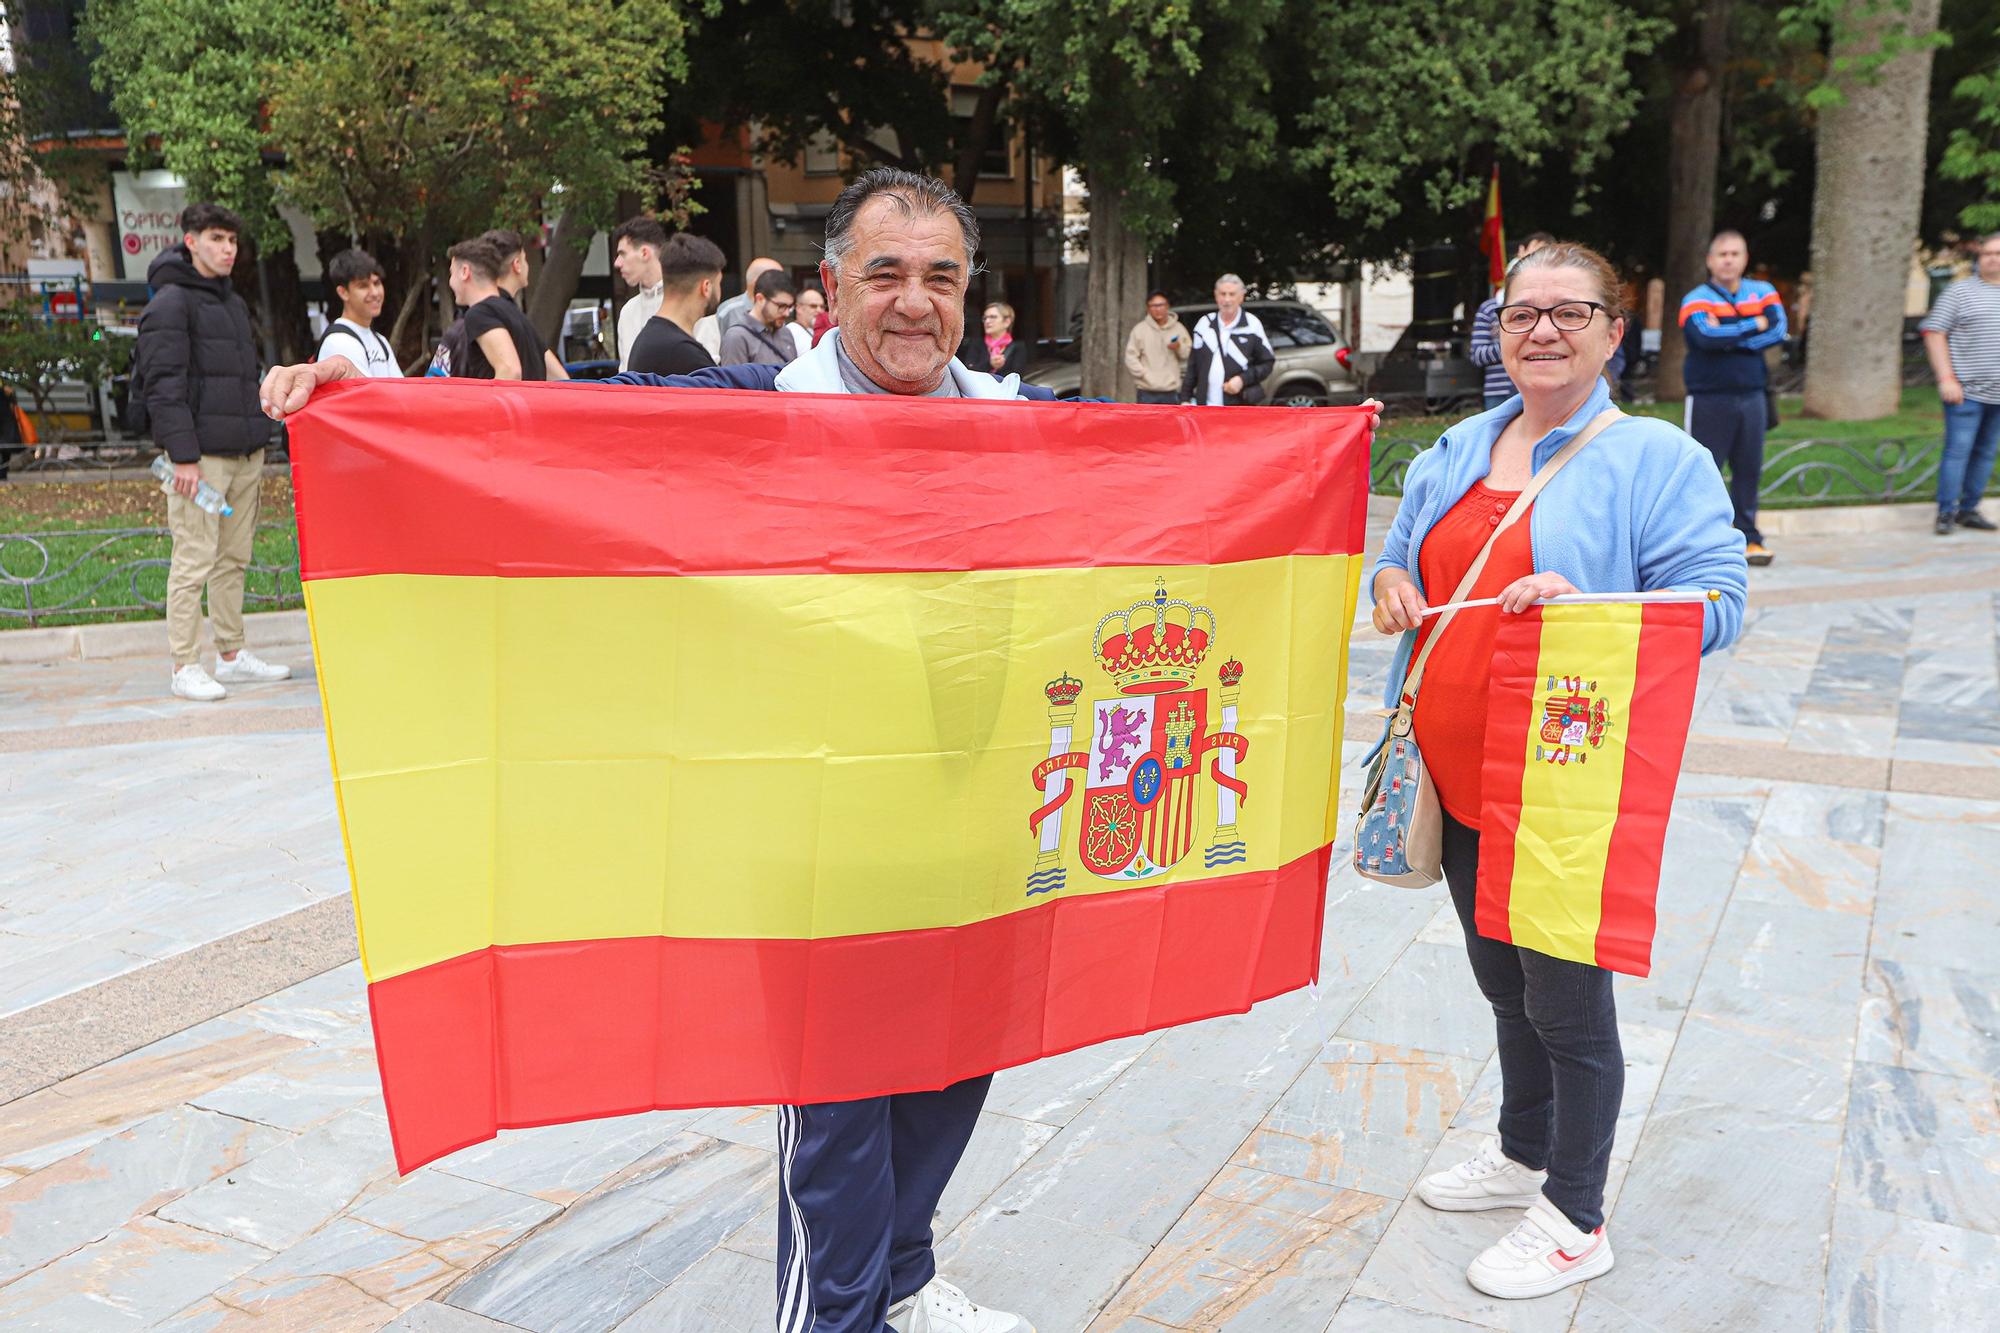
[(1574, 721), (1158, 646), (1143, 804)]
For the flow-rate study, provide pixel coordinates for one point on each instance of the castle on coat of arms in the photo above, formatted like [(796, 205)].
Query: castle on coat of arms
[(1143, 804)]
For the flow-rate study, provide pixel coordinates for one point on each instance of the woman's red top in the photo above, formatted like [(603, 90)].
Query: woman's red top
[(1451, 703)]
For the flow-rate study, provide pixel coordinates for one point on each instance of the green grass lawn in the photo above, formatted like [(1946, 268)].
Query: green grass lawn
[(98, 551), (1806, 462)]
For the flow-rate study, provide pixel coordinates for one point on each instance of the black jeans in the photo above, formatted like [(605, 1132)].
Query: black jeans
[(1562, 1070), (1164, 397), (1731, 425)]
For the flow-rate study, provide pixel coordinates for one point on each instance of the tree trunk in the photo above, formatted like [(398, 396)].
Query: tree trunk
[(408, 331), (555, 284), (289, 313), (1114, 298), (1693, 151), (1866, 206)]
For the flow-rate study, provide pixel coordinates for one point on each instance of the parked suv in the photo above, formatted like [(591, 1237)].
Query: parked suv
[(1311, 370)]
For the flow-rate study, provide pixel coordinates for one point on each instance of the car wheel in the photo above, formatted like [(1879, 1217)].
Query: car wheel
[(1297, 395)]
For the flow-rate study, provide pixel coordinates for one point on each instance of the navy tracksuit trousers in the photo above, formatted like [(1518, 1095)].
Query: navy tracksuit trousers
[(858, 1184), (1732, 426)]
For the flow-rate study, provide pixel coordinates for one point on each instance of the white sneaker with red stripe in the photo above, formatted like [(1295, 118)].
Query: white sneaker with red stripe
[(1545, 1253), (1487, 1179)]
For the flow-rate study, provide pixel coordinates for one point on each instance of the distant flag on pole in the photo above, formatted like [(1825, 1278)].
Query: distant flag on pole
[(1493, 235), (1587, 720)]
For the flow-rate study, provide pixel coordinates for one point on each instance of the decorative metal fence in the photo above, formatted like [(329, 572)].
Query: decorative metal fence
[(121, 573), (1797, 473)]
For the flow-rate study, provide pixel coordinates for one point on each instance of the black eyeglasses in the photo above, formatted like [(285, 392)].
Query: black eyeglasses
[(1569, 317)]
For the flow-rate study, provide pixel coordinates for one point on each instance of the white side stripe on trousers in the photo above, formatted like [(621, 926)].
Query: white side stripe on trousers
[(796, 1311)]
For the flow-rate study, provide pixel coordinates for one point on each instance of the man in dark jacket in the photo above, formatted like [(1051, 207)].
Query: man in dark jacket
[(1232, 354), (196, 367)]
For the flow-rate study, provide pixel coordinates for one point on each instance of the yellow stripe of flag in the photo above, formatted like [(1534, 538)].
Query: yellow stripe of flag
[(1569, 811), (761, 757)]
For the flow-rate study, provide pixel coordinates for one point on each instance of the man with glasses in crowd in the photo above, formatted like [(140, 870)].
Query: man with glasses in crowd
[(761, 339)]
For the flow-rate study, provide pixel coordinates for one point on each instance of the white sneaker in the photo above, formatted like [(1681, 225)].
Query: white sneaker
[(1490, 1179), (191, 682), (1545, 1253), (943, 1308), (246, 665)]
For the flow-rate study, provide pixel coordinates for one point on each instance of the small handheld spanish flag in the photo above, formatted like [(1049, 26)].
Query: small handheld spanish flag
[(1587, 719)]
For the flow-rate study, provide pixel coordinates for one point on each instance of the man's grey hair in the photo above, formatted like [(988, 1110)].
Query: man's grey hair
[(916, 195), (1229, 278)]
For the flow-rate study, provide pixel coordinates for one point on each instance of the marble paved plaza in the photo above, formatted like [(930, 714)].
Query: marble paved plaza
[(1811, 1138)]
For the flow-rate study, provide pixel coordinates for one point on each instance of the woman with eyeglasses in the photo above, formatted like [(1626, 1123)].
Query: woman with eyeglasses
[(1639, 507)]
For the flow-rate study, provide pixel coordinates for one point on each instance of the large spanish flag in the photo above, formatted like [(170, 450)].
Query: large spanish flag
[(714, 748), (1587, 720)]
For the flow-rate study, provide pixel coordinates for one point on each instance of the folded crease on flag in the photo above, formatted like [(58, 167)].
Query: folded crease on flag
[(702, 748)]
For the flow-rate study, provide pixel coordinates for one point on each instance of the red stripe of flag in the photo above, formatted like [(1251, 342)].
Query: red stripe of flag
[(1516, 670), (691, 482), (537, 1034), (1667, 671)]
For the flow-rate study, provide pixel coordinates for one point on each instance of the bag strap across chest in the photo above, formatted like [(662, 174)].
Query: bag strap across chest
[(1527, 496)]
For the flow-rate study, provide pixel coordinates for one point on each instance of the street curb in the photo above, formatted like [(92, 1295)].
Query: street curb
[(135, 638), (1836, 520)]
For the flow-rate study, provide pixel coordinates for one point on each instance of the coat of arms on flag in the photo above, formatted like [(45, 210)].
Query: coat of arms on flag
[(1142, 805)]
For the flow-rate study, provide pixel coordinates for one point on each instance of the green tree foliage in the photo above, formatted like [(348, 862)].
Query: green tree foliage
[(189, 84), (405, 124), (1415, 102), (1106, 85), (1972, 151), (794, 68), (416, 115)]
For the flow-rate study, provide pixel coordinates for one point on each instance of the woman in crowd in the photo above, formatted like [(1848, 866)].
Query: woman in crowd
[(1002, 352), (1640, 507)]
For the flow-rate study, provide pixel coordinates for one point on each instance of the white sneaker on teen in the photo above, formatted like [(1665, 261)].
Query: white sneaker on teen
[(1545, 1253), (942, 1308), (191, 682), (246, 665), (1488, 1179)]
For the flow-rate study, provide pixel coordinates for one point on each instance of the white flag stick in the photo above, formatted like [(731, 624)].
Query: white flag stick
[(1587, 598)]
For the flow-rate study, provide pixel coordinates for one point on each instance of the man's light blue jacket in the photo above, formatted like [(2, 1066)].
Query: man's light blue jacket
[(1641, 509)]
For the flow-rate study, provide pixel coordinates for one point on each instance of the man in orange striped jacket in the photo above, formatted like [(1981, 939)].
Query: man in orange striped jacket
[(1728, 321)]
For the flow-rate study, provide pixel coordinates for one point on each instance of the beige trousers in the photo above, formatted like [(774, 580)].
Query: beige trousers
[(212, 550)]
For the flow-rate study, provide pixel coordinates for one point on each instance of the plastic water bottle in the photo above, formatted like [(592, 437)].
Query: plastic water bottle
[(205, 496)]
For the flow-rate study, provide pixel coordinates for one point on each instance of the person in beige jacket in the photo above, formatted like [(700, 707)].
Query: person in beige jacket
[(1157, 350)]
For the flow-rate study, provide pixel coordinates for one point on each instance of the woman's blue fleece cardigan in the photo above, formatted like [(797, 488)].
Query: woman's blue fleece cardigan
[(1642, 508)]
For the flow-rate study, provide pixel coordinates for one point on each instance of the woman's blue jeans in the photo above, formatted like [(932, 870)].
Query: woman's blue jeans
[(1971, 433), (1562, 1068)]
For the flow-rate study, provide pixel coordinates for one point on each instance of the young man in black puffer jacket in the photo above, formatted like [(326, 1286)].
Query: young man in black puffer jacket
[(196, 367)]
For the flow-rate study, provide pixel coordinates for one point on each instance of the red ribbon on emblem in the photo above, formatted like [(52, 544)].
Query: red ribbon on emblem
[(1055, 764), (1236, 745)]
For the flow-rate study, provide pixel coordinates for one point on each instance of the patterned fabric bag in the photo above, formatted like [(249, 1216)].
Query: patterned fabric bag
[(1399, 835)]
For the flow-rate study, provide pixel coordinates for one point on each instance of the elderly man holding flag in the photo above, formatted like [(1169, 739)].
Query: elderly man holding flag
[(859, 1180)]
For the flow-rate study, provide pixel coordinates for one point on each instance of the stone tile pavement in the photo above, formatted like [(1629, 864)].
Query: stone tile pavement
[(1811, 1137)]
